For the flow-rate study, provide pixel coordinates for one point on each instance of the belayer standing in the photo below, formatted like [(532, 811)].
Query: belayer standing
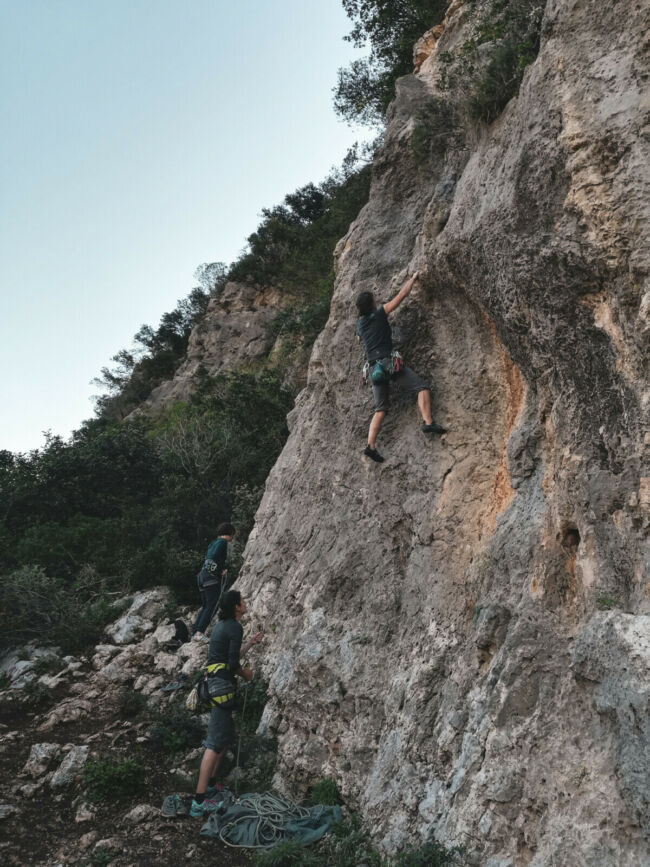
[(374, 330), (224, 663), (213, 578)]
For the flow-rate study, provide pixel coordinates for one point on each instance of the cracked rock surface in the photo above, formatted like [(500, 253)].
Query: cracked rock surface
[(460, 635)]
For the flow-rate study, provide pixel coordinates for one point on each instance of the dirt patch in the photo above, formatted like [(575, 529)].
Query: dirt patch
[(44, 831)]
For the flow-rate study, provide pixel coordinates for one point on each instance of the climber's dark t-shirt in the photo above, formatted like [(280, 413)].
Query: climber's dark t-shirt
[(374, 331), (225, 644)]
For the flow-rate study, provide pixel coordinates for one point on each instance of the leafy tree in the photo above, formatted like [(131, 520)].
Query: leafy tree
[(156, 352), (391, 28)]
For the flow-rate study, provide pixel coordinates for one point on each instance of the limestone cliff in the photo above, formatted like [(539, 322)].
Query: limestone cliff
[(232, 334), (460, 636)]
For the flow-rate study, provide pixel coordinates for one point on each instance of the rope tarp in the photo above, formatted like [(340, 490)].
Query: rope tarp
[(260, 821)]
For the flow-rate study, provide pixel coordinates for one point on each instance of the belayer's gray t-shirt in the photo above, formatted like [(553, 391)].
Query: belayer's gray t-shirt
[(374, 330), (225, 644)]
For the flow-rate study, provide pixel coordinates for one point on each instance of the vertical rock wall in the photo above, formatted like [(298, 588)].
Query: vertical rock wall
[(460, 636)]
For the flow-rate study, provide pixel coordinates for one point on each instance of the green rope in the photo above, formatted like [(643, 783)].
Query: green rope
[(241, 726), (271, 812)]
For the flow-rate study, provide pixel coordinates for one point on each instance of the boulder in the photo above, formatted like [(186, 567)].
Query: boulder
[(166, 662), (22, 673), (70, 767), (40, 758), (150, 604), (85, 813), (69, 710), (142, 813), (128, 628)]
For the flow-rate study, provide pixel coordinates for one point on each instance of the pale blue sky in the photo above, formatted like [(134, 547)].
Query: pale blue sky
[(141, 138)]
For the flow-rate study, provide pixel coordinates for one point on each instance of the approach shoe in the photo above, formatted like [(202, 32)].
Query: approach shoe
[(373, 454), (433, 428), (198, 636), (214, 791), (209, 805), (173, 806)]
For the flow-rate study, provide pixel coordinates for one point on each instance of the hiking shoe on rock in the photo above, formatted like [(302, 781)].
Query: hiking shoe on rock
[(173, 806), (198, 636), (373, 454), (209, 805), (433, 428)]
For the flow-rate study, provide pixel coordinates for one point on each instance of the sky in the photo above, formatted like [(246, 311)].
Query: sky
[(141, 138)]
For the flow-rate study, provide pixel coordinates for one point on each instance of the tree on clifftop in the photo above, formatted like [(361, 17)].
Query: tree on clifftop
[(367, 86)]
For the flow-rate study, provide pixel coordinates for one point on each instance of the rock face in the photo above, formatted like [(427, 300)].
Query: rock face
[(443, 643), (232, 333)]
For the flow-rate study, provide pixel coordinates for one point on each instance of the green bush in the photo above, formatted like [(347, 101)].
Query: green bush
[(325, 792), (175, 728), (435, 130), (498, 84), (607, 603), (484, 82), (289, 853), (132, 703), (349, 846), (430, 855), (390, 28), (34, 605), (112, 780)]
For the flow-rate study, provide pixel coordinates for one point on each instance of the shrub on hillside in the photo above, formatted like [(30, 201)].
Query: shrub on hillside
[(325, 792), (174, 728), (37, 606), (113, 780), (390, 28)]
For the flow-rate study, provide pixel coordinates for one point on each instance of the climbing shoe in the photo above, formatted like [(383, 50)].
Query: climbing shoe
[(208, 805), (213, 791), (373, 454), (173, 806), (433, 428)]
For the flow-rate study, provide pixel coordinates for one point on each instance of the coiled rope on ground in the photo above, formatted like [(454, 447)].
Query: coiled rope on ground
[(272, 813)]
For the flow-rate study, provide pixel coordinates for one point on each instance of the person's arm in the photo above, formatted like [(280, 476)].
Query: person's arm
[(251, 641), (234, 649), (394, 303)]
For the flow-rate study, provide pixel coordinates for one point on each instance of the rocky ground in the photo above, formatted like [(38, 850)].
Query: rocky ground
[(58, 715)]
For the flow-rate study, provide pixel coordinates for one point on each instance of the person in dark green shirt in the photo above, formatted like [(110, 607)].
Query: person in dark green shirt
[(213, 578), (374, 331), (225, 647)]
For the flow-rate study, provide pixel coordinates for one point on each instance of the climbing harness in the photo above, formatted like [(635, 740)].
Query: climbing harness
[(379, 373), (216, 690)]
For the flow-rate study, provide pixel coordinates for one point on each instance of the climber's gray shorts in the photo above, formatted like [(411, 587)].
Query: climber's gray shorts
[(221, 730), (405, 382)]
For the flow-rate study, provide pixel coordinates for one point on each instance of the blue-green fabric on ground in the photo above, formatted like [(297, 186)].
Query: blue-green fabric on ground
[(261, 821)]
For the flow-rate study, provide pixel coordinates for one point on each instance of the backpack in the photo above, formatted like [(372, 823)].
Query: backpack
[(182, 632)]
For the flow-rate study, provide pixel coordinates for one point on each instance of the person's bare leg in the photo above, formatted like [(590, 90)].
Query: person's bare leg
[(210, 764), (375, 427), (424, 402)]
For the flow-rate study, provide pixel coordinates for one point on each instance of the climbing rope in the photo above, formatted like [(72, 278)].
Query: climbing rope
[(241, 725), (272, 813)]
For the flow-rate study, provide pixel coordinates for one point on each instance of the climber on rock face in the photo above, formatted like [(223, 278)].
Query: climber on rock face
[(374, 330)]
